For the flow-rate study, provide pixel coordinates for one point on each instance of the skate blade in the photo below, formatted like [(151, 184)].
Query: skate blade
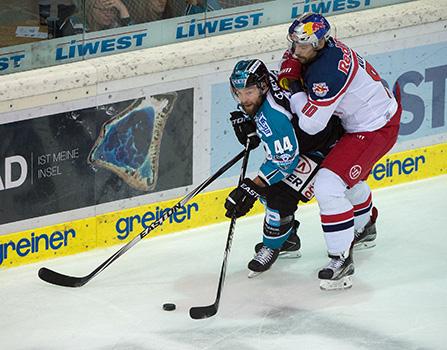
[(364, 245), (290, 255), (342, 283), (253, 274)]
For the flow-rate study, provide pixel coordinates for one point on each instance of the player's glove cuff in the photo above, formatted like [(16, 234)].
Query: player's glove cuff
[(242, 198), (245, 129), (290, 71)]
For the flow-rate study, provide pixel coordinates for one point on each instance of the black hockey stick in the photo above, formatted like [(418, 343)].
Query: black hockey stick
[(198, 312), (57, 278)]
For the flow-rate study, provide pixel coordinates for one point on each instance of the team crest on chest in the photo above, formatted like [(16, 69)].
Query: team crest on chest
[(263, 126), (320, 89), (283, 160)]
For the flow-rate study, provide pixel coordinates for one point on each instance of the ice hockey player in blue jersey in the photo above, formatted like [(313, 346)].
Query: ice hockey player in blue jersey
[(291, 159)]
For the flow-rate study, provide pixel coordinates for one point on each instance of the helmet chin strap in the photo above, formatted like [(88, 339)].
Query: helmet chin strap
[(264, 90)]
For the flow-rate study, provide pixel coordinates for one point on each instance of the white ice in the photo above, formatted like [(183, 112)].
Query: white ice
[(398, 300)]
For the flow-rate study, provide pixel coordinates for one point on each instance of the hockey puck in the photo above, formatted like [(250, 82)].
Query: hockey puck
[(169, 307)]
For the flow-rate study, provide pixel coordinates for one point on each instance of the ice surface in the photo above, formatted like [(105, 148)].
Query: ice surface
[(398, 300)]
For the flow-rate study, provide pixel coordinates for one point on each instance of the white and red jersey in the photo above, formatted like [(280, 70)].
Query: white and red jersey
[(341, 82)]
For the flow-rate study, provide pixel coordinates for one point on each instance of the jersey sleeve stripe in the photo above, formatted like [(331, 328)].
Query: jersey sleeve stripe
[(272, 174)]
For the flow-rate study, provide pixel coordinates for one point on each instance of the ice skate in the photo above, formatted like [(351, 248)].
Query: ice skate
[(337, 274), (290, 248), (366, 238), (262, 261)]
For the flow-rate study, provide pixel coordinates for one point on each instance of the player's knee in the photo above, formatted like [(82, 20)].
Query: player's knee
[(328, 186), (359, 192)]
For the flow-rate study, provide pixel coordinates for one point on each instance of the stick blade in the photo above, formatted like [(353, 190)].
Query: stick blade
[(200, 312), (59, 279)]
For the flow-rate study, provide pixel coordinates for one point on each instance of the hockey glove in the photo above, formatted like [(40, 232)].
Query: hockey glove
[(289, 77), (244, 128), (242, 198)]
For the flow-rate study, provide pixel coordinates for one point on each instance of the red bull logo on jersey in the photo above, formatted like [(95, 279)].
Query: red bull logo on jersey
[(320, 89)]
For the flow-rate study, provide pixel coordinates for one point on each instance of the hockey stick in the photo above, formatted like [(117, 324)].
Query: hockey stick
[(60, 279), (198, 312)]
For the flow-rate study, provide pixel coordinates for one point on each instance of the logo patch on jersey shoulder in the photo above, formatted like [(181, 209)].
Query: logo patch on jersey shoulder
[(320, 89), (263, 125)]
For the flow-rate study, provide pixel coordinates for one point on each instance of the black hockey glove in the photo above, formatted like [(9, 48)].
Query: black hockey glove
[(242, 198), (296, 86), (244, 128)]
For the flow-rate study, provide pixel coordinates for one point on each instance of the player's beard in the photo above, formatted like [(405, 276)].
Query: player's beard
[(301, 59), (252, 109), (306, 59)]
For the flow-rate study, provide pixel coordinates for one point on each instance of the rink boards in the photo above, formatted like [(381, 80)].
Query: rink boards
[(58, 195), (121, 226)]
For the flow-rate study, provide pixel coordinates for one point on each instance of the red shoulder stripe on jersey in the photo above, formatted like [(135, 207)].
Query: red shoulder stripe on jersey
[(355, 67)]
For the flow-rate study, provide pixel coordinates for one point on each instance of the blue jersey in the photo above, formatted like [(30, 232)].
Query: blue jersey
[(276, 131)]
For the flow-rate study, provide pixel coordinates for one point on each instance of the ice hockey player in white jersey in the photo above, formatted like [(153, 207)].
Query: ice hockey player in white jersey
[(291, 159), (327, 77)]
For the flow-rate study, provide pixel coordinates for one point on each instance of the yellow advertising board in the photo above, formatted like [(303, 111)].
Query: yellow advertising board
[(119, 227)]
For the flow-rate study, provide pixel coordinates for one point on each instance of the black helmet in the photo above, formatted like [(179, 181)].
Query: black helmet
[(248, 73)]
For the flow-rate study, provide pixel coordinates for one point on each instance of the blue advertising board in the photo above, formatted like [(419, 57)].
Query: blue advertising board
[(82, 46)]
